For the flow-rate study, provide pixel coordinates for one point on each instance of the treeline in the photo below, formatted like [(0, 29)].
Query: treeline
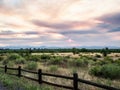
[(59, 50)]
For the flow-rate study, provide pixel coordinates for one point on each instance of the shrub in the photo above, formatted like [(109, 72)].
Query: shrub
[(79, 62), (95, 71), (56, 60), (1, 58), (10, 64), (102, 62), (94, 59), (53, 68), (34, 58), (110, 60), (31, 66), (111, 71), (98, 56), (117, 61), (106, 60), (21, 60), (67, 57), (5, 62), (44, 56), (74, 70), (13, 56), (104, 53)]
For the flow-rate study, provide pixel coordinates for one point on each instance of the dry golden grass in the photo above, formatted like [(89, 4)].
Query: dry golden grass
[(68, 71), (82, 73)]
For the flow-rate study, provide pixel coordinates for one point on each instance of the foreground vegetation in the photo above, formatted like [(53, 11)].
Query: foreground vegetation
[(15, 83), (103, 68)]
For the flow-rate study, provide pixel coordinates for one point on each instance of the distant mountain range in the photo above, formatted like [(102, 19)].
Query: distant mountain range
[(55, 47)]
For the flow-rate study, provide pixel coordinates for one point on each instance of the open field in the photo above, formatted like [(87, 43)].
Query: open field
[(85, 64)]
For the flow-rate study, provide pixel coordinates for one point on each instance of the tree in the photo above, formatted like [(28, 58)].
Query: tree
[(75, 51), (105, 51)]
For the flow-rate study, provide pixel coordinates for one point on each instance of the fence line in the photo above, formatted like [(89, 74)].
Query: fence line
[(29, 71), (40, 80)]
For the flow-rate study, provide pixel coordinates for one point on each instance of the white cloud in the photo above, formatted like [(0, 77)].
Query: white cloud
[(58, 17)]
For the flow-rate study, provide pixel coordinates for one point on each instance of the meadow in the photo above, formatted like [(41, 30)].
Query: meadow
[(93, 66)]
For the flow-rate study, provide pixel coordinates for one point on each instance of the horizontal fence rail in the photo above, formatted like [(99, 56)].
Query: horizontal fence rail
[(97, 85), (60, 76), (29, 71), (40, 80), (12, 68)]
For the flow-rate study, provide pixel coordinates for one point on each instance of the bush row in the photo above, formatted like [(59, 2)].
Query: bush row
[(111, 71)]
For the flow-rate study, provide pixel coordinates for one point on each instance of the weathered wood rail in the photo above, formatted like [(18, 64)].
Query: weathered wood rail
[(40, 80)]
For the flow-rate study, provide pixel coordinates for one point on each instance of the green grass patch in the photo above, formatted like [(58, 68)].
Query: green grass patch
[(15, 83)]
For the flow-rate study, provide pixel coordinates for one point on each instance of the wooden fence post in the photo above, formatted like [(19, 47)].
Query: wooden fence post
[(75, 81), (5, 68), (40, 76), (19, 71)]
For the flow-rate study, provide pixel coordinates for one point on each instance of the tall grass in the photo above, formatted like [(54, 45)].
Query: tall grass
[(15, 83)]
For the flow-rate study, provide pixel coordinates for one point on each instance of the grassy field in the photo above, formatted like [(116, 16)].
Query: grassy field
[(89, 66), (15, 83)]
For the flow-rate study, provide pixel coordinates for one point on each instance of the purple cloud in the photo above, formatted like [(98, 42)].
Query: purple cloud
[(80, 32), (9, 32), (113, 19), (31, 32), (51, 25), (62, 25), (110, 22), (115, 29)]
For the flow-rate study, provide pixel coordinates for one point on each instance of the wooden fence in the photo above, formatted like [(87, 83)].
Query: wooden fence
[(40, 80)]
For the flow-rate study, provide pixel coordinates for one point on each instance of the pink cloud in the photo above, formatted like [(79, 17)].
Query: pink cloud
[(70, 40)]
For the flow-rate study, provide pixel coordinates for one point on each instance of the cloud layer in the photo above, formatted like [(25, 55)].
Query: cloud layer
[(59, 23)]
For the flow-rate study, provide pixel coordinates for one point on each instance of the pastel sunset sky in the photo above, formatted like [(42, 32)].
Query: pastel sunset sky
[(60, 22)]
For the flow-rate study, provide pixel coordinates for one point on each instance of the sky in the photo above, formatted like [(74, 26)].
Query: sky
[(59, 23)]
